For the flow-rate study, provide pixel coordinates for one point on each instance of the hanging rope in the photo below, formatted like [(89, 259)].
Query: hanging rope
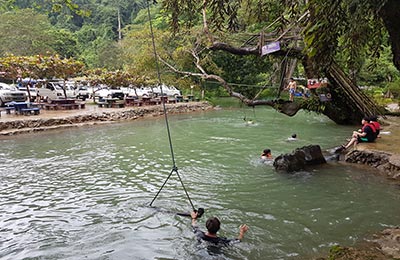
[(174, 167)]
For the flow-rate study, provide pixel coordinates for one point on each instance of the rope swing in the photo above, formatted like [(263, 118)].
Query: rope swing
[(174, 167)]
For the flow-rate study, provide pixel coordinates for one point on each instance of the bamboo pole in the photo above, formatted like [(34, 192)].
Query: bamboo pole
[(363, 103)]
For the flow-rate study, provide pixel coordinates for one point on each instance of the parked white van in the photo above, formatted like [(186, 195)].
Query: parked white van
[(53, 90), (82, 92), (167, 90), (10, 93), (33, 92), (110, 93), (140, 92)]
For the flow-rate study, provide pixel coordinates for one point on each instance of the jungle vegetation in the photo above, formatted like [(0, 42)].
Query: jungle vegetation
[(362, 36)]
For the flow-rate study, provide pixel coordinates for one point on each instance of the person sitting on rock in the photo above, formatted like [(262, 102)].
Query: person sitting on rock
[(374, 121), (366, 134)]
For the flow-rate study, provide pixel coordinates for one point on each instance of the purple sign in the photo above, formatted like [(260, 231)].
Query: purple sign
[(270, 47)]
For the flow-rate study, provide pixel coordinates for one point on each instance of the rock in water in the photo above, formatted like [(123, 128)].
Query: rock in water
[(299, 159)]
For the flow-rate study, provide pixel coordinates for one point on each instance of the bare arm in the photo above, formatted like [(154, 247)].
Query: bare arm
[(194, 218), (242, 230)]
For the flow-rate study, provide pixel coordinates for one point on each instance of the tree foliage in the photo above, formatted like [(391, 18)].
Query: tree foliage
[(39, 67), (87, 30), (25, 32), (352, 28), (113, 79)]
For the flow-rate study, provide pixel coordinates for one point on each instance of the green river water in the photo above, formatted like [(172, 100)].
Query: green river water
[(84, 193)]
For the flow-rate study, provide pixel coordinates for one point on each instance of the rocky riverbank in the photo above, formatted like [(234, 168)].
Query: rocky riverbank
[(383, 154), (49, 120), (382, 246), (387, 164)]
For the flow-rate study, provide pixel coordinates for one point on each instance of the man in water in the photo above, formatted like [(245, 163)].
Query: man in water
[(266, 154), (292, 138), (213, 225)]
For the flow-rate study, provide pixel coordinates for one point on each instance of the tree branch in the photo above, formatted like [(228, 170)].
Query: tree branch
[(234, 50), (286, 107), (295, 52)]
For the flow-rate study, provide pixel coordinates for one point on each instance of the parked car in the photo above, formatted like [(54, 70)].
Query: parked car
[(53, 90), (126, 90), (93, 90), (140, 92), (82, 92), (10, 93), (33, 92), (110, 93), (167, 90)]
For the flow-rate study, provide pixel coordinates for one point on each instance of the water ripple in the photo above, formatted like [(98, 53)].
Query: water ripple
[(72, 195)]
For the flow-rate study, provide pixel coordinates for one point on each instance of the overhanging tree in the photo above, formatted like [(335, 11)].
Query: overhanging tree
[(327, 30)]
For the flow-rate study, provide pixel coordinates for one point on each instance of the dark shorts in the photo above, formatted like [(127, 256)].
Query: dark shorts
[(364, 140)]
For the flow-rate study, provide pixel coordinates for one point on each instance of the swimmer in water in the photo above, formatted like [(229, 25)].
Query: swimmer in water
[(292, 138), (248, 121), (266, 154), (213, 225)]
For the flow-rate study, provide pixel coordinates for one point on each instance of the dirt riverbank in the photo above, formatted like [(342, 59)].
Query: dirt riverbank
[(11, 124)]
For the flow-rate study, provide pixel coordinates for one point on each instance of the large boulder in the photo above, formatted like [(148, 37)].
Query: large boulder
[(299, 159)]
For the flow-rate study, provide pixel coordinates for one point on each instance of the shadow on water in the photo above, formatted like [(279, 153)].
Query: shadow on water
[(84, 193)]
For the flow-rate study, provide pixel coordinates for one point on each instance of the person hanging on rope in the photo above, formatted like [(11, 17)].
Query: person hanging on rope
[(213, 225), (292, 88)]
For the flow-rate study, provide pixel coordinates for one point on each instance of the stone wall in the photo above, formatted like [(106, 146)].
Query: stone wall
[(28, 124)]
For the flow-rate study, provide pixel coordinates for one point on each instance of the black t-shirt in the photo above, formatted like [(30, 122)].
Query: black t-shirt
[(215, 240), (370, 133)]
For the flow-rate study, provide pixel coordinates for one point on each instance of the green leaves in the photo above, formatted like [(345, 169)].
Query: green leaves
[(39, 66), (25, 32)]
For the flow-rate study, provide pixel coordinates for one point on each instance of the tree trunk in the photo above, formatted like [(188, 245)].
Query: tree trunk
[(390, 14), (119, 26), (348, 103), (337, 110)]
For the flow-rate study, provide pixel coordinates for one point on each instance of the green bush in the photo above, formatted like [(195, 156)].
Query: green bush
[(394, 88)]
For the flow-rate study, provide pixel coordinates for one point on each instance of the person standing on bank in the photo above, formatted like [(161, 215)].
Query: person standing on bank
[(292, 88), (213, 225)]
